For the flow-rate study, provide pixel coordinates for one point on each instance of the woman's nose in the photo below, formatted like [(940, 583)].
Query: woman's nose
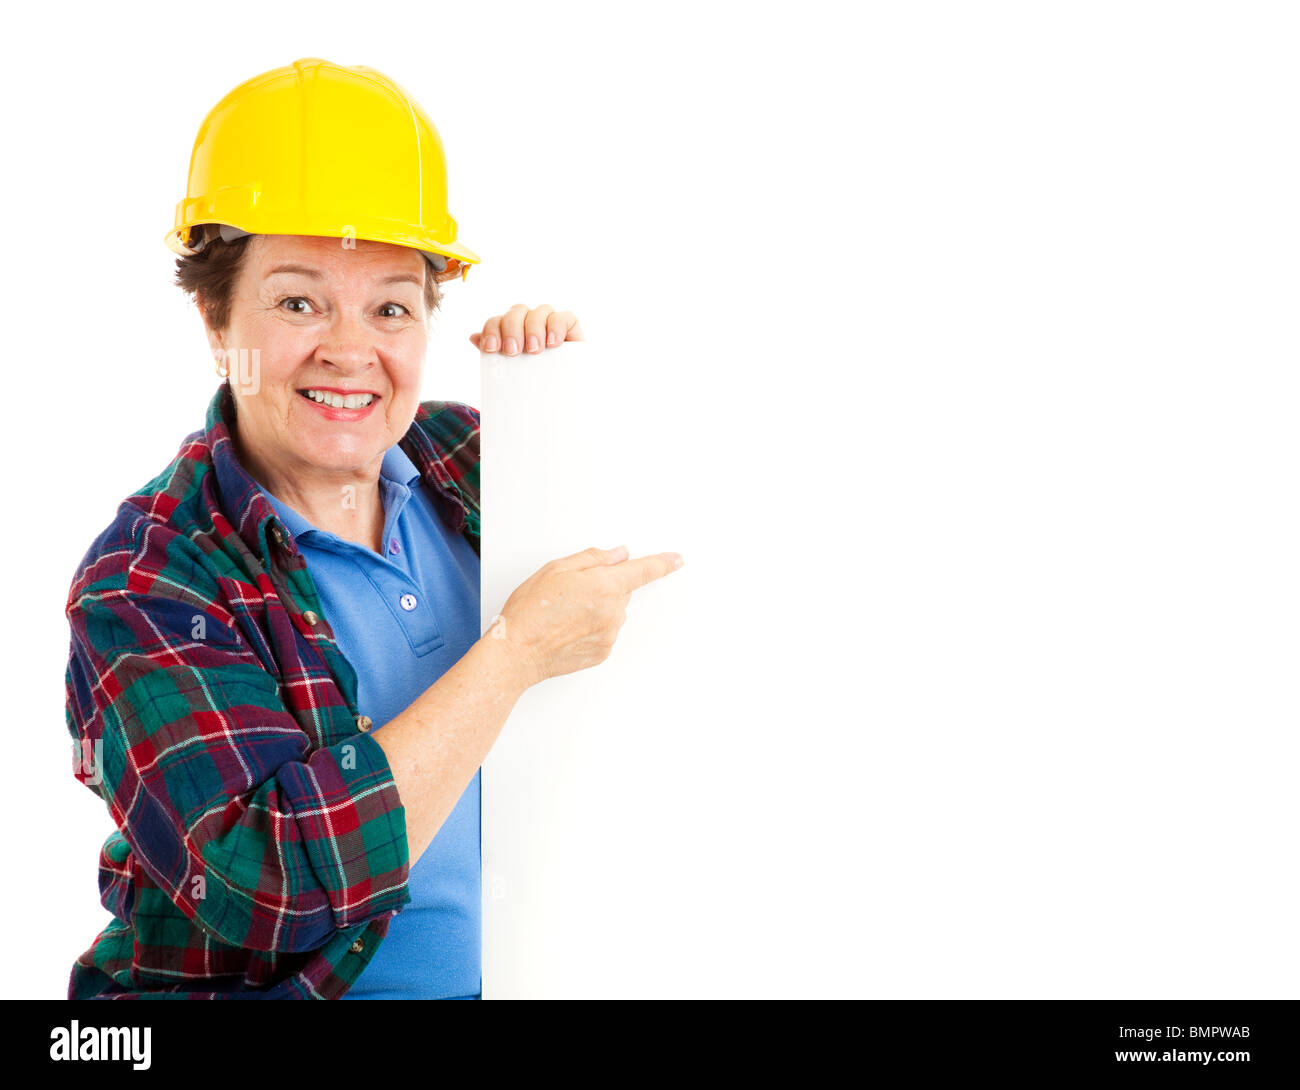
[(348, 344)]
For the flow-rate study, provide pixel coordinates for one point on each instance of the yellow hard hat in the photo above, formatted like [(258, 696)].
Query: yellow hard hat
[(315, 148)]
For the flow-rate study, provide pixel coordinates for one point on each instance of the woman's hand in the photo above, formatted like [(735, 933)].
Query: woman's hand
[(528, 330), (566, 615)]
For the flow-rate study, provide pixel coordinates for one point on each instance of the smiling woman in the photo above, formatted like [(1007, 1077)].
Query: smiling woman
[(341, 336), (277, 682)]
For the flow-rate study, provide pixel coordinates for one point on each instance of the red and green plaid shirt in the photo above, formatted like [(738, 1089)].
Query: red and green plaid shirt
[(261, 847)]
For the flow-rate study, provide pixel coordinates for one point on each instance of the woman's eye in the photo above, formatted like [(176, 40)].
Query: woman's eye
[(398, 306), (295, 299)]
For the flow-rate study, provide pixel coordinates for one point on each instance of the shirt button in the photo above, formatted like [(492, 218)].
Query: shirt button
[(277, 535), (394, 547), (357, 946), (408, 602), (364, 723), (310, 617)]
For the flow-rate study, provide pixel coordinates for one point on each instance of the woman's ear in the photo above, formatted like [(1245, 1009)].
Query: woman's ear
[(216, 343)]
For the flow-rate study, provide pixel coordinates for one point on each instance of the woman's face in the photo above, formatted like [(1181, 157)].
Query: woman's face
[(313, 321)]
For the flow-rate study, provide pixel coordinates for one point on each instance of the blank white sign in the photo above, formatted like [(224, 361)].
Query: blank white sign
[(688, 817), (574, 859)]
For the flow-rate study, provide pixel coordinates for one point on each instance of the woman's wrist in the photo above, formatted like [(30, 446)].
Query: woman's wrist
[(508, 665)]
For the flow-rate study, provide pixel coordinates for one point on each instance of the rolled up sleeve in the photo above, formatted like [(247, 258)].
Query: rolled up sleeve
[(261, 839)]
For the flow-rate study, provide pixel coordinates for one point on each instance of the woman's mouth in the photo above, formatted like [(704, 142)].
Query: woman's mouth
[(340, 404)]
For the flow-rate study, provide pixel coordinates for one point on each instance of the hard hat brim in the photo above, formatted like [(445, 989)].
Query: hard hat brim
[(374, 231)]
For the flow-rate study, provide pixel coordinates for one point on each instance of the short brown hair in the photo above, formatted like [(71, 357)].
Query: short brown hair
[(210, 275)]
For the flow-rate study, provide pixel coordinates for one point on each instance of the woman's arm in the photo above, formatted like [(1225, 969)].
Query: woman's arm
[(563, 618), (436, 745), (264, 841)]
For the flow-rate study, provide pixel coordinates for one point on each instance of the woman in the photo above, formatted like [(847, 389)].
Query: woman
[(276, 679)]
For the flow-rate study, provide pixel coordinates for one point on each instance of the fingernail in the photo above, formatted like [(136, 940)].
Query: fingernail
[(533, 344), (678, 562), (512, 346), (489, 344), (551, 339)]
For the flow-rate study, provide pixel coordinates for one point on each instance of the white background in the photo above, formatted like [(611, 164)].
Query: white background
[(967, 340)]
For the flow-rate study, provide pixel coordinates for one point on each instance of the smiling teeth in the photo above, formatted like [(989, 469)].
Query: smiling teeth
[(339, 401)]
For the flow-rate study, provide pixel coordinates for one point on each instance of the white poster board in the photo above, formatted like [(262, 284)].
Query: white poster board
[(584, 758), (684, 819)]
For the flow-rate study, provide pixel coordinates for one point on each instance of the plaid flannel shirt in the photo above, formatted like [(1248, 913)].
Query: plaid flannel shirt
[(261, 847)]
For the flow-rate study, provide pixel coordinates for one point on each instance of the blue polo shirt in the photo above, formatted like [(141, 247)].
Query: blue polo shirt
[(402, 619)]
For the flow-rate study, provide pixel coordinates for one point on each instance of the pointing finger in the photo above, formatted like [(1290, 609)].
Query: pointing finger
[(637, 573)]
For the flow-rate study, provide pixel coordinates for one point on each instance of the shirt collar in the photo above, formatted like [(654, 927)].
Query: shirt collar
[(250, 507), (398, 467)]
